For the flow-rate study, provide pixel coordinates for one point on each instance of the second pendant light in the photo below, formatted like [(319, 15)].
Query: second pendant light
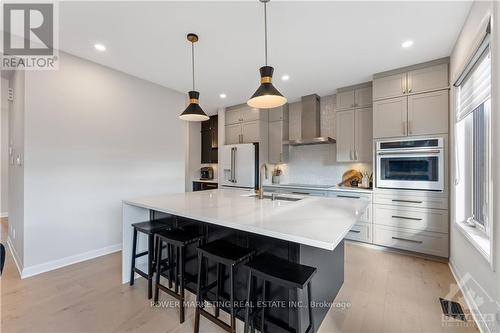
[(266, 96)]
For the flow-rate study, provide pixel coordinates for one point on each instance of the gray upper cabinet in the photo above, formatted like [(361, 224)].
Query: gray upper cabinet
[(278, 135), (233, 134), (389, 86), (345, 135), (428, 113), (414, 101), (363, 97), (411, 80), (390, 117), (354, 97), (345, 100), (354, 135), (244, 113), (428, 79), (279, 113)]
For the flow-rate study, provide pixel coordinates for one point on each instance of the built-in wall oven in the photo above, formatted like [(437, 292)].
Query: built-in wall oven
[(416, 164)]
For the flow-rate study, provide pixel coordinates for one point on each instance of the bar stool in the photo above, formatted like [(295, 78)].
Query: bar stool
[(177, 239), (223, 254), (149, 228), (281, 272)]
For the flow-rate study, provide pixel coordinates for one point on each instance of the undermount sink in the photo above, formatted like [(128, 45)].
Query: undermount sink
[(277, 197)]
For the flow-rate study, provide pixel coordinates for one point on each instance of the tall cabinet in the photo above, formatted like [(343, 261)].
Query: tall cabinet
[(411, 101), (278, 134), (354, 123), (209, 140)]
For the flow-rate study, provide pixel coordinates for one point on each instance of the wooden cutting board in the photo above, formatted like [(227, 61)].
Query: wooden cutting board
[(349, 176)]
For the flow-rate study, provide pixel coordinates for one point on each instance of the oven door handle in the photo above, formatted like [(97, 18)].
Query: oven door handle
[(409, 152)]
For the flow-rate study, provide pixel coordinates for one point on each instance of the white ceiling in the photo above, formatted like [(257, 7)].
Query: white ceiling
[(321, 45)]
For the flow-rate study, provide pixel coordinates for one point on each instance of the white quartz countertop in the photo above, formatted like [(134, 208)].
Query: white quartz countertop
[(333, 188), (314, 221)]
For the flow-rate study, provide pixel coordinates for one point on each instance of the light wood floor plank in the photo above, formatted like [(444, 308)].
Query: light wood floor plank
[(385, 291)]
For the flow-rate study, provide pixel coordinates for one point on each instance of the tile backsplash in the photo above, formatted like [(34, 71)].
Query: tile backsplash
[(316, 164)]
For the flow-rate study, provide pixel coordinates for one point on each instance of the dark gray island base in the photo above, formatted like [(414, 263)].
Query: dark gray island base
[(326, 282)]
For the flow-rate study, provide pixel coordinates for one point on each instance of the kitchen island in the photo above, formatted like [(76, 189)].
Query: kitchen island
[(307, 230)]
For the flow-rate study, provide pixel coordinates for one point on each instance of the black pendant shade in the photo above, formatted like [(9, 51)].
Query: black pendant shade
[(266, 96), (194, 112)]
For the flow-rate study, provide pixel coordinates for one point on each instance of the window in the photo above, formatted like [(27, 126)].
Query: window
[(472, 142)]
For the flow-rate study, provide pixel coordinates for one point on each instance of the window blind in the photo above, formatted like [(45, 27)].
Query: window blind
[(475, 88)]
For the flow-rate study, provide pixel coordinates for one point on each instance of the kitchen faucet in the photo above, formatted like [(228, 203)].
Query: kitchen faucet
[(260, 191)]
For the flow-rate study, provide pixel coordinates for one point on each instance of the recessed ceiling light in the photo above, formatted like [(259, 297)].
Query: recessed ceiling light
[(285, 77), (222, 96), (100, 47), (407, 43)]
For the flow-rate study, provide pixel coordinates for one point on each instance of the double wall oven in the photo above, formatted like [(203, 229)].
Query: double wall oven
[(417, 164)]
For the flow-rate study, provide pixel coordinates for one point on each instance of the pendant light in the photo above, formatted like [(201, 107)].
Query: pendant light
[(193, 112), (266, 96)]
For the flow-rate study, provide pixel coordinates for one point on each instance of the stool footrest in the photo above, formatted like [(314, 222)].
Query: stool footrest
[(141, 254), (141, 273), (170, 292), (214, 319)]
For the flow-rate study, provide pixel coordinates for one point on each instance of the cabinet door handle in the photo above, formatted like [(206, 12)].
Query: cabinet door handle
[(404, 127), (347, 196), (355, 154), (407, 240), (409, 127), (406, 218), (350, 155), (407, 201), (303, 193), (355, 231)]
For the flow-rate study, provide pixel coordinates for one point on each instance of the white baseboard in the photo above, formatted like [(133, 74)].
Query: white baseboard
[(55, 264), (15, 256), (2, 215), (471, 304)]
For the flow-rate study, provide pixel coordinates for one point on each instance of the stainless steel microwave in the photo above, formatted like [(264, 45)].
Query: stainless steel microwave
[(416, 164)]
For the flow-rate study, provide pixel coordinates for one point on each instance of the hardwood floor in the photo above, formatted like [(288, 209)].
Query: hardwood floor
[(386, 292)]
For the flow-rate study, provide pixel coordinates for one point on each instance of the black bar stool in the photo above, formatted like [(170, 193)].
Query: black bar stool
[(223, 254), (282, 272), (176, 239), (149, 228)]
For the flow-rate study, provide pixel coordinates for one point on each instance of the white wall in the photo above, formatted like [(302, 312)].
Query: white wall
[(4, 147), (194, 154), (16, 172), (93, 137), (465, 260)]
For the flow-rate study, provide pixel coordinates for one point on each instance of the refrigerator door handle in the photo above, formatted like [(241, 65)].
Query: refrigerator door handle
[(231, 176), (234, 164)]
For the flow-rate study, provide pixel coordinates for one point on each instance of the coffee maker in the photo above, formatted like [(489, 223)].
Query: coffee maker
[(206, 173)]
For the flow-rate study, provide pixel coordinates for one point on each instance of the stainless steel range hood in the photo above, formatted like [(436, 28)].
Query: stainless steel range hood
[(310, 124)]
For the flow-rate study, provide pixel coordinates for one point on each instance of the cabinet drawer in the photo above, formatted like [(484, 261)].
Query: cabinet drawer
[(411, 240), (367, 216), (360, 232), (411, 199), (411, 218)]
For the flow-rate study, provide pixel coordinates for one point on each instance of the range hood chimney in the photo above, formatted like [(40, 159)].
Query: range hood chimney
[(310, 123)]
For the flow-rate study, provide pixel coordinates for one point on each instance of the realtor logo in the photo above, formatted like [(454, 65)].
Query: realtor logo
[(29, 36)]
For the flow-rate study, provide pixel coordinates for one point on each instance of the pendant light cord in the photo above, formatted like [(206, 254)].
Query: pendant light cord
[(192, 60), (265, 29)]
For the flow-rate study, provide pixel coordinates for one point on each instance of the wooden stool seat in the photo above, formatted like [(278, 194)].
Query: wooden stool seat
[(223, 253), (149, 228), (283, 273), (176, 239)]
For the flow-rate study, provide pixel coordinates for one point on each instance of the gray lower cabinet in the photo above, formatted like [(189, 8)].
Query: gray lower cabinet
[(363, 229), (411, 220)]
